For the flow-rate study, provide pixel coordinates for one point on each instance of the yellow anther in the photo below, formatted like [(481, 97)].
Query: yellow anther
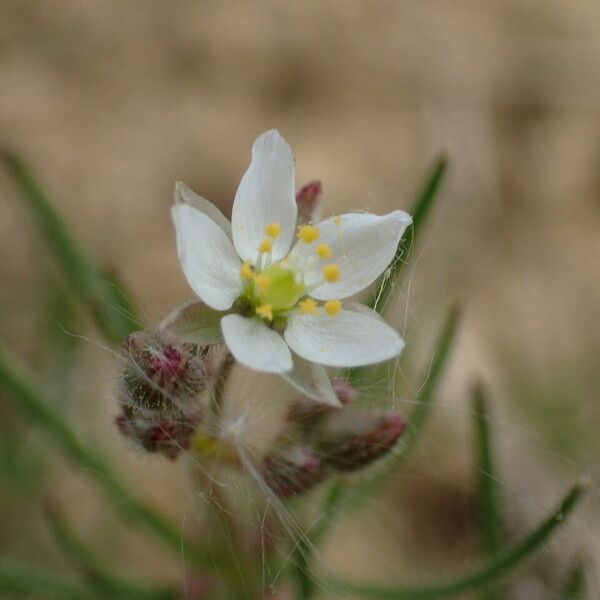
[(262, 282), (333, 307), (309, 233), (308, 307), (337, 220), (246, 271), (266, 246), (324, 251), (265, 311), (331, 272), (273, 229)]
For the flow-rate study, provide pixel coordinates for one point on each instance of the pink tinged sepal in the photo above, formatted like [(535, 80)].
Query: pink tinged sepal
[(292, 470), (308, 200), (352, 440)]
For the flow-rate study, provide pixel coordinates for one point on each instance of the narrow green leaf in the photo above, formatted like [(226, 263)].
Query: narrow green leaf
[(489, 496), (420, 211), (478, 578), (86, 280), (575, 587), (19, 580), (17, 382), (99, 576)]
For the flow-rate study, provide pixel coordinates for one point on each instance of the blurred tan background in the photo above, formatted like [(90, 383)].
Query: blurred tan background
[(111, 102)]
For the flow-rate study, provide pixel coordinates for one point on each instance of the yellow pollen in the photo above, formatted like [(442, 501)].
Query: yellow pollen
[(333, 307), (331, 272), (265, 311), (324, 251), (273, 229), (262, 282), (266, 246), (308, 307), (337, 220), (309, 233), (246, 271)]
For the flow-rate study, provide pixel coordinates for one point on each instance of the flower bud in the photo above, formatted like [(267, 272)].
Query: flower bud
[(162, 373), (156, 433), (308, 199), (292, 470), (349, 441)]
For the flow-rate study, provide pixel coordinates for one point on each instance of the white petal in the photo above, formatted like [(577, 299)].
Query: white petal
[(256, 346), (184, 195), (195, 322), (362, 244), (312, 380), (349, 339), (265, 195), (207, 256)]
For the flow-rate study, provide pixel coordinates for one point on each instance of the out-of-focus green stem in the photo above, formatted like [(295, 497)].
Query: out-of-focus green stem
[(99, 576), (489, 499), (419, 212), (114, 316), (16, 381), (479, 578)]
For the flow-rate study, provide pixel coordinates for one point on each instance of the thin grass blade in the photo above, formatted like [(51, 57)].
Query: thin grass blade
[(479, 578), (86, 280)]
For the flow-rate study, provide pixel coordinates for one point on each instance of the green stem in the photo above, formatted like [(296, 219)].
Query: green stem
[(18, 382), (489, 498), (478, 578), (420, 212), (99, 294)]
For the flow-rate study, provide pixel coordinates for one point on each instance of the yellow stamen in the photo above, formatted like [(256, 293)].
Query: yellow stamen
[(337, 220), (331, 272), (266, 246), (309, 233), (265, 311), (246, 271), (262, 282), (308, 307), (333, 307), (273, 229), (324, 251)]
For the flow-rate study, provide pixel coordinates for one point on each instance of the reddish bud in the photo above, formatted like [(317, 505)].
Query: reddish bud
[(350, 441), (161, 373), (156, 433), (308, 199), (292, 470)]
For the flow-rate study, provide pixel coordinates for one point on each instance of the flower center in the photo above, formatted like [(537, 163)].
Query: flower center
[(273, 289)]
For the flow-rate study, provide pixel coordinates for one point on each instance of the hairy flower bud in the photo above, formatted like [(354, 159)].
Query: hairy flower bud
[(308, 199), (161, 434), (349, 441), (161, 373), (292, 470)]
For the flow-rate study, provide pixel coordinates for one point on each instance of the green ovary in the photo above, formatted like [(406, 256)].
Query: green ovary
[(283, 291)]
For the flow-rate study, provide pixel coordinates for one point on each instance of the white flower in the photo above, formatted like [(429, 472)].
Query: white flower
[(276, 289)]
